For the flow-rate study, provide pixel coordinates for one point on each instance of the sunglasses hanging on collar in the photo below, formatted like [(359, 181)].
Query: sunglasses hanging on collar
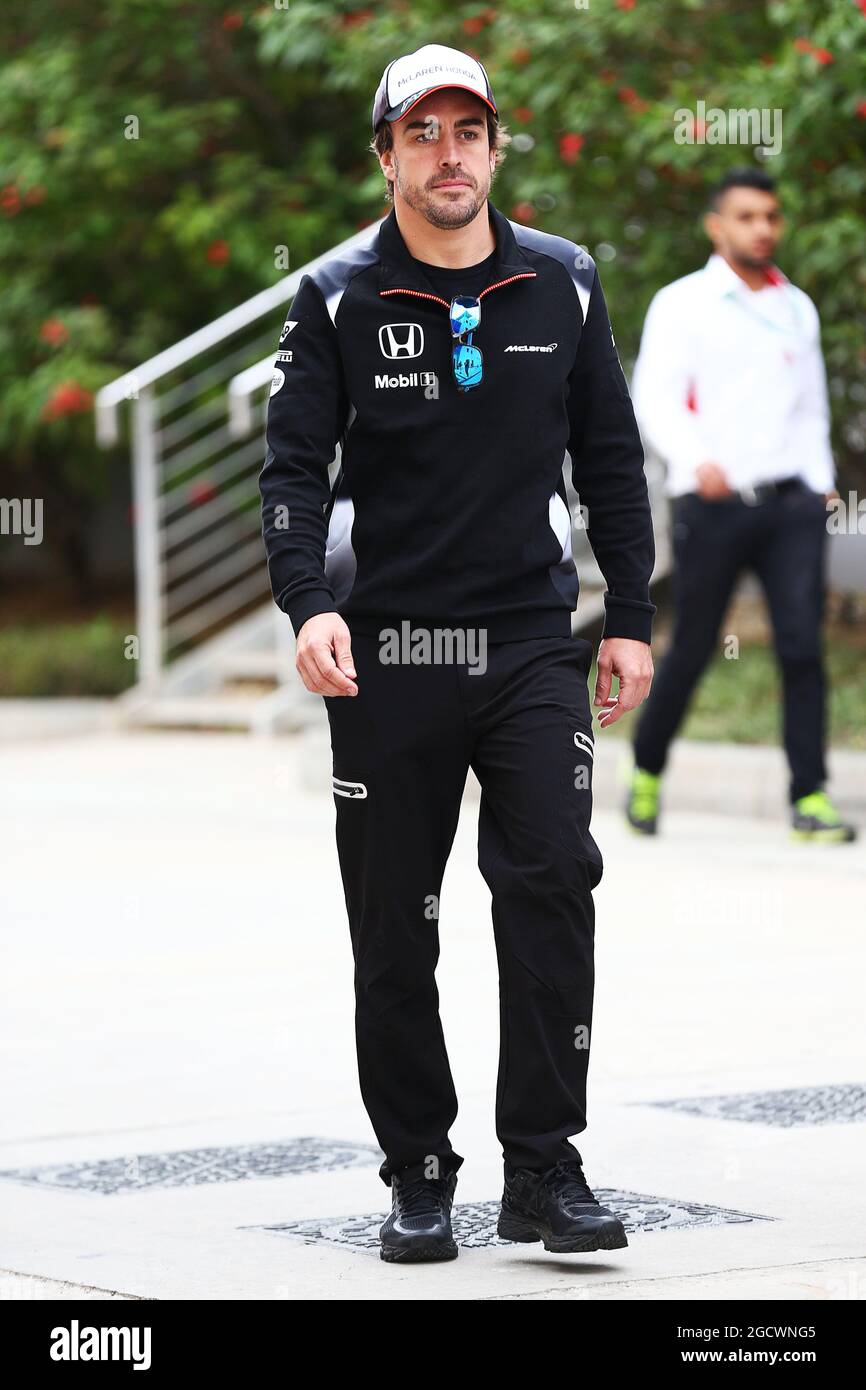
[(466, 360)]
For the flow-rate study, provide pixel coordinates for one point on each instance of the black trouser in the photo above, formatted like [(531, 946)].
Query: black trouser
[(402, 748), (782, 540)]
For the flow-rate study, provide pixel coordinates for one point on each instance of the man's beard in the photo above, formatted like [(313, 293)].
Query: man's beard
[(444, 215), (752, 262)]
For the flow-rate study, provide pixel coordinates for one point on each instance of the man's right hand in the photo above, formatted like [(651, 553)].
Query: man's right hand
[(324, 656), (712, 482)]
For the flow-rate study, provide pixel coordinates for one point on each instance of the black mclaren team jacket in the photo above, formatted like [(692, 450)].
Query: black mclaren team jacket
[(450, 508)]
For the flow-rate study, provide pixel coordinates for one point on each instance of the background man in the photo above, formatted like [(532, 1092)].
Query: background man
[(730, 388)]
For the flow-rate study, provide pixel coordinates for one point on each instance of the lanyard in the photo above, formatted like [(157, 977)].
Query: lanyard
[(795, 316)]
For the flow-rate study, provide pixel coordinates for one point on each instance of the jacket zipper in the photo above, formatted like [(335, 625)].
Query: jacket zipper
[(422, 294)]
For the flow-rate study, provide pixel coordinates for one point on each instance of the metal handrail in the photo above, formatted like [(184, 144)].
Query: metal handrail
[(239, 560), (180, 413), (198, 519), (217, 371), (192, 557), (130, 385), (230, 605)]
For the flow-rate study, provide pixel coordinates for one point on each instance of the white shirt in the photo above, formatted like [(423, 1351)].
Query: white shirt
[(734, 376)]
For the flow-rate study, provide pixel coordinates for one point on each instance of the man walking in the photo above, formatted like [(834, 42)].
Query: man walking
[(729, 387), (455, 357)]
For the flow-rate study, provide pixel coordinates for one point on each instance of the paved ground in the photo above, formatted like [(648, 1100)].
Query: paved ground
[(180, 1114)]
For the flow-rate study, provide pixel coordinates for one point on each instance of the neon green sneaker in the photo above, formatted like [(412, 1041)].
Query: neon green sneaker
[(642, 806), (816, 818)]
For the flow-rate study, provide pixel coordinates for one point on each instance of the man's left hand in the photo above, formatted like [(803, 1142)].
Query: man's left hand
[(632, 662)]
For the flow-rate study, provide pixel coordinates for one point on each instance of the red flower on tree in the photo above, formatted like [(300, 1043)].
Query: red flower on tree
[(861, 106), (523, 212), (355, 18), (67, 399), (10, 200), (233, 20), (474, 25), (625, 4), (570, 146), (629, 97), (53, 332), (823, 55), (217, 253), (522, 114), (521, 56)]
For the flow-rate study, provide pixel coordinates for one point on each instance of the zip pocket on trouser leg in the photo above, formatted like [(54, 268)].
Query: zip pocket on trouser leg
[(575, 783)]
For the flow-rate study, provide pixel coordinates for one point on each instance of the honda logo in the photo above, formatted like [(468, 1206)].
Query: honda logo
[(401, 340)]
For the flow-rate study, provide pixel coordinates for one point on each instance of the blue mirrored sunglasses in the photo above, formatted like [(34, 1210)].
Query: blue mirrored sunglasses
[(466, 360)]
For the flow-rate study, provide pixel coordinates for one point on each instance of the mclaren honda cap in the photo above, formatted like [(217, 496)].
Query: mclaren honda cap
[(406, 80)]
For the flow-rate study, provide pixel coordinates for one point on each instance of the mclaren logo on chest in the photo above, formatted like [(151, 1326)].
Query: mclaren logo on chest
[(523, 347), (401, 340)]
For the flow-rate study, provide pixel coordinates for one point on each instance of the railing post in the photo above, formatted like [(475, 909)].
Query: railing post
[(148, 576)]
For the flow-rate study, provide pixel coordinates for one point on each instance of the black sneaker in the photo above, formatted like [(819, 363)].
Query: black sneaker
[(556, 1207), (419, 1227)]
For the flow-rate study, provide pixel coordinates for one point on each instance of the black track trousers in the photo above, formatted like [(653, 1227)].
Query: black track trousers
[(401, 750), (783, 541)]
